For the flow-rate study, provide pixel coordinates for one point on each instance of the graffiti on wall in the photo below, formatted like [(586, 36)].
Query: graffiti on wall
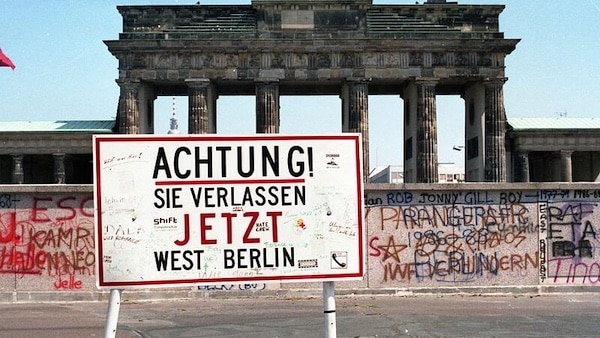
[(233, 287), (437, 238), (569, 234), (483, 237), (414, 239), (47, 237)]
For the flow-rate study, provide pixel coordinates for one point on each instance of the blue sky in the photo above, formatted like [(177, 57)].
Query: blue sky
[(64, 71)]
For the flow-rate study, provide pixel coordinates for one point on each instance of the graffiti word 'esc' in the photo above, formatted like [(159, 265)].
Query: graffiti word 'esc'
[(68, 206)]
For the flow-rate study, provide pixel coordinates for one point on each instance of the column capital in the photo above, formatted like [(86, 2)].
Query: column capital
[(425, 80), (358, 79), (498, 81), (266, 80), (200, 82), (128, 82)]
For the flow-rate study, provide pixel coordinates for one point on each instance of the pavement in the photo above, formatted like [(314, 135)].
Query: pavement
[(553, 315)]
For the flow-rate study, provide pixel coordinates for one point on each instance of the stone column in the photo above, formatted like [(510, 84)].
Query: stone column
[(566, 166), (426, 124), (199, 107), (129, 113), (59, 168), (267, 106), (355, 105), (523, 161), (18, 176), (495, 131), (555, 174)]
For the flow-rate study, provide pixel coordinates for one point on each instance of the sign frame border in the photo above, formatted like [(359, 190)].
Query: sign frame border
[(327, 277)]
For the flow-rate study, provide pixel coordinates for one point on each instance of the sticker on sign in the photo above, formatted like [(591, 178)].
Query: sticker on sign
[(200, 209)]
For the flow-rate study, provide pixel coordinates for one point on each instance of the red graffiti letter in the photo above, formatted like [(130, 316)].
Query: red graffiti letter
[(36, 209), (62, 205)]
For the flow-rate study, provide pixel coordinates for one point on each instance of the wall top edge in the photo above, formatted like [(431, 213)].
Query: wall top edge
[(46, 188), (89, 188), (482, 186)]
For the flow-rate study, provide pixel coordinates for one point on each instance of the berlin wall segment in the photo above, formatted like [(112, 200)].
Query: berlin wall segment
[(46, 241), (482, 237), (459, 235)]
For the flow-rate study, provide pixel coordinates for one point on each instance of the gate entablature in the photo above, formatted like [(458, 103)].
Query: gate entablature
[(304, 47), (210, 41)]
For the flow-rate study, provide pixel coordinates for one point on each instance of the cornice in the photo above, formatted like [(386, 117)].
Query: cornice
[(41, 143)]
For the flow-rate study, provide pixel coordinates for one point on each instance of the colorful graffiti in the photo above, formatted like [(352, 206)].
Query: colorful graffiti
[(483, 238), (47, 237), (463, 237), (570, 236), (414, 239)]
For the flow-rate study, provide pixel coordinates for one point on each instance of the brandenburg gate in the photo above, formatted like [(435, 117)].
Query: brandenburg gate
[(350, 48)]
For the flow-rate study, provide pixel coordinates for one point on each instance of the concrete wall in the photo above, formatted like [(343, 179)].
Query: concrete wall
[(46, 241), (484, 235), (478, 237)]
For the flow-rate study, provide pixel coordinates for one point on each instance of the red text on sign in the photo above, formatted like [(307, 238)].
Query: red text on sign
[(248, 219)]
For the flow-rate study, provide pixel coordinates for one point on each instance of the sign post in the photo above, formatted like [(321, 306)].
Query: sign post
[(329, 309), (213, 209), (112, 315)]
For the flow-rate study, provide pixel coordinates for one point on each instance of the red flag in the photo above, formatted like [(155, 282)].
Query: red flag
[(5, 61)]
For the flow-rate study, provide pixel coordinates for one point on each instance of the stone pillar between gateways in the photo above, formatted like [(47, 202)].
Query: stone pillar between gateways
[(129, 113), (146, 98), (566, 166), (495, 132), (355, 115), (267, 106), (474, 97), (18, 177), (201, 107), (60, 175), (409, 95), (426, 132)]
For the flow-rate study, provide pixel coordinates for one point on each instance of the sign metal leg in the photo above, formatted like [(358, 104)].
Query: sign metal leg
[(329, 309), (112, 315)]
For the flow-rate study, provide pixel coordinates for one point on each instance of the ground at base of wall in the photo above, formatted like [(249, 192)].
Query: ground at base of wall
[(221, 292)]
